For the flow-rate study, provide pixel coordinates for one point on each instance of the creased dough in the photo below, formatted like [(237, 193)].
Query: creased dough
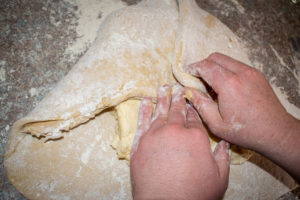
[(137, 49)]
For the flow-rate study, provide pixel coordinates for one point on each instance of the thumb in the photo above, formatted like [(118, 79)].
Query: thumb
[(144, 120), (221, 154), (208, 110)]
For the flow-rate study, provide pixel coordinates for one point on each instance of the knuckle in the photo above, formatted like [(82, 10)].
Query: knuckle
[(174, 128), (216, 128), (213, 128), (208, 63), (197, 129), (233, 82), (214, 55)]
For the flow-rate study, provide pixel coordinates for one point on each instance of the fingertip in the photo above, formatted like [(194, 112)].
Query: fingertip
[(192, 69), (196, 97), (147, 99), (215, 56), (222, 146), (164, 90), (162, 106), (178, 111), (146, 102), (145, 111), (177, 93), (163, 100)]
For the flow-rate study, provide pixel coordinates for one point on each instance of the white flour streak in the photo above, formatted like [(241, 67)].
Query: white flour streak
[(2, 74), (85, 156), (290, 108)]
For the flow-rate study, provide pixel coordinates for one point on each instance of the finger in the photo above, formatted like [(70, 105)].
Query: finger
[(208, 110), (177, 112), (221, 154), (144, 121), (227, 62), (193, 119), (214, 74), (160, 116), (145, 114)]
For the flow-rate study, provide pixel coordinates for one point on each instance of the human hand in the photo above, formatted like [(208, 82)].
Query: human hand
[(171, 157), (248, 112)]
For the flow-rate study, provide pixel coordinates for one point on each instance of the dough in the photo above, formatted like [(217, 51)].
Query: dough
[(127, 115), (61, 150)]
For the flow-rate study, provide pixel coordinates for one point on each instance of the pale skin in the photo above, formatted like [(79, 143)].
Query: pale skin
[(173, 159)]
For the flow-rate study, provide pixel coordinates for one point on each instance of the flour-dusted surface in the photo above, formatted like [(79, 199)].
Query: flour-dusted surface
[(80, 166), (92, 13), (20, 90), (131, 57), (37, 50)]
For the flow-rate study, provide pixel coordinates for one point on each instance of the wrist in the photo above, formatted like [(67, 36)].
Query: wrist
[(272, 133), (282, 145)]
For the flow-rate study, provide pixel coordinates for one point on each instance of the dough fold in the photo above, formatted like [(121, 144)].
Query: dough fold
[(61, 150)]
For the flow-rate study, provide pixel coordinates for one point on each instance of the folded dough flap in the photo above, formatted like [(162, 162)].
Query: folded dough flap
[(198, 35), (131, 56)]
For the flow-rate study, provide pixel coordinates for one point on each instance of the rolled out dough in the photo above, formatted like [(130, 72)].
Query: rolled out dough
[(137, 49)]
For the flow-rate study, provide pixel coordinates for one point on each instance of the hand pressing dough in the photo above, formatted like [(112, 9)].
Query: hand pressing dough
[(127, 115), (137, 49)]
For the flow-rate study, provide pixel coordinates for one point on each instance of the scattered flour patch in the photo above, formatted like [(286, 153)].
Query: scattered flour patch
[(294, 72), (91, 15), (238, 6), (2, 74), (86, 155), (33, 92), (278, 56), (290, 108), (60, 196), (45, 186), (235, 126)]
